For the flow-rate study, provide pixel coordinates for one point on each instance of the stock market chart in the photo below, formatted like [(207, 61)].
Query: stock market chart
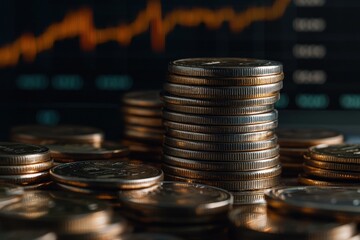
[(70, 62)]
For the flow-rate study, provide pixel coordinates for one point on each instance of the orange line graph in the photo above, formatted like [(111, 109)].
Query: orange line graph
[(80, 24)]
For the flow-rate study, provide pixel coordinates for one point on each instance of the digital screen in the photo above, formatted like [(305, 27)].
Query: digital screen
[(71, 61)]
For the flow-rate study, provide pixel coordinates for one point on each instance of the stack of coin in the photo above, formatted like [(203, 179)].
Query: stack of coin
[(42, 135), (257, 222), (294, 143), (219, 120), (143, 132), (70, 216), (25, 164), (187, 210), (104, 179), (332, 165), (65, 153), (317, 202)]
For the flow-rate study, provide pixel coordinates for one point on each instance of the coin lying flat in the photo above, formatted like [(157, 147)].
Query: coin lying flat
[(149, 98), (111, 174), (341, 153), (206, 137), (54, 134), (60, 212), (141, 111), (260, 223), (143, 121), (197, 128), (341, 203), (233, 92), (219, 146), (180, 198), (229, 81), (221, 165), (25, 179), (176, 100), (87, 151), (224, 67), (220, 120), (332, 166), (249, 197), (22, 154), (331, 174), (308, 137), (26, 169)]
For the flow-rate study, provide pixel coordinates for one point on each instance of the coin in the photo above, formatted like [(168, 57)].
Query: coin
[(333, 166), (60, 212), (25, 179), (150, 98), (341, 203), (221, 165), (222, 176), (330, 174), (26, 235), (316, 181), (176, 100), (39, 186), (233, 92), (243, 137), (219, 146), (55, 134), (228, 81), (232, 185), (143, 121), (145, 136), (26, 169), (220, 129), (110, 174), (100, 194), (260, 223), (87, 151), (141, 111), (249, 197), (308, 137), (222, 156), (220, 110), (150, 236), (224, 67), (181, 199), (341, 153), (220, 120), (22, 154)]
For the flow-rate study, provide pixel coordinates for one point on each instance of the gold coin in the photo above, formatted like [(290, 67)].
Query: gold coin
[(144, 136), (109, 174), (143, 121), (331, 174), (308, 137), (150, 98), (341, 153), (141, 111), (37, 134)]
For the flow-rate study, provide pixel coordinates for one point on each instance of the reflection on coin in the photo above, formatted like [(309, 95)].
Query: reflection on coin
[(54, 134), (150, 98), (100, 194), (26, 169), (180, 198), (22, 154), (87, 151), (107, 174), (308, 137), (229, 81), (341, 203), (224, 67), (61, 212), (9, 193), (26, 235), (341, 153), (259, 223)]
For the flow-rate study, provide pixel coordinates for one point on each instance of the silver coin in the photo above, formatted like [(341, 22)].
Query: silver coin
[(224, 67), (22, 154), (342, 153)]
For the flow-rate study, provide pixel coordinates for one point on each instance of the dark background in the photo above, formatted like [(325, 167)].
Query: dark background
[(74, 81)]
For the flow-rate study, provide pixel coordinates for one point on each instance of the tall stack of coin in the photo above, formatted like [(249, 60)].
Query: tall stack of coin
[(25, 164), (65, 153), (105, 178), (332, 165), (294, 143), (219, 120), (67, 134), (143, 132), (191, 211)]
